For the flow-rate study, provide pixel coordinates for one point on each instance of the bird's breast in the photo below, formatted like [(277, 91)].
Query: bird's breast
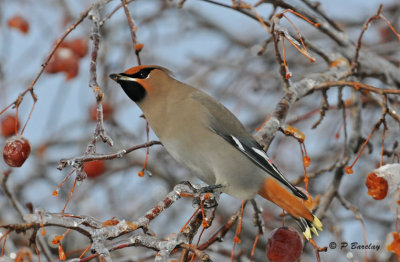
[(188, 156)]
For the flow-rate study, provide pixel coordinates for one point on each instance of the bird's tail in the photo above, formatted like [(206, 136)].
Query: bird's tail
[(295, 206)]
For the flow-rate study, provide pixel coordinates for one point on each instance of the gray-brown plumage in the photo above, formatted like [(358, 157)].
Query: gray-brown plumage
[(201, 134)]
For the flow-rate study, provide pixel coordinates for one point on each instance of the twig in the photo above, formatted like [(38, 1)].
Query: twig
[(258, 220), (282, 64), (336, 164), (354, 64), (259, 223), (357, 86), (199, 253), (90, 157), (22, 213), (322, 110), (332, 190), (95, 36), (30, 89), (221, 232), (358, 216), (266, 132), (133, 28), (190, 231), (316, 7), (113, 12), (237, 8), (98, 232), (15, 203)]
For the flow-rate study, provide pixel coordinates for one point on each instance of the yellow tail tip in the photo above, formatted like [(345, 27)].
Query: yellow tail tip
[(307, 233), (317, 223), (314, 231)]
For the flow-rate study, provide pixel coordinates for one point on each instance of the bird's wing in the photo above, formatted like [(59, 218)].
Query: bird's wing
[(226, 125), (255, 152)]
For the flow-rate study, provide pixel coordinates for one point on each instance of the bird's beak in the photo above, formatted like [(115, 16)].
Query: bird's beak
[(114, 77), (120, 77)]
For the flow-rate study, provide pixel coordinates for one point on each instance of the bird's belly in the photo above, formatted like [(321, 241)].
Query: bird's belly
[(217, 162), (188, 156)]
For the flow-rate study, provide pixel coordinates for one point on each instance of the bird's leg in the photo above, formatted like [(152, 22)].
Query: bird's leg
[(197, 193), (187, 183), (206, 196), (203, 201)]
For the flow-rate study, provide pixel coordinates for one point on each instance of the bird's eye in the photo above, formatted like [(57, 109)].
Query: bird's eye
[(144, 73)]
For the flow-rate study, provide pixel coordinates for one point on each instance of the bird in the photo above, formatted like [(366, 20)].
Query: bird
[(203, 135)]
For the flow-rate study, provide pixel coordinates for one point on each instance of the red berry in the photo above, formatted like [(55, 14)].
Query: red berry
[(16, 151), (284, 245), (18, 22), (107, 111), (386, 34), (79, 46), (377, 186), (64, 60), (8, 125), (94, 168), (395, 245), (348, 170)]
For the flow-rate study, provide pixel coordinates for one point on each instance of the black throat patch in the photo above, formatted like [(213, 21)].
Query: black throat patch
[(133, 90)]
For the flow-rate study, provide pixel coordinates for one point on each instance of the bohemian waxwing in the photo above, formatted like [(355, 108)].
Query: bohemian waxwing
[(203, 135)]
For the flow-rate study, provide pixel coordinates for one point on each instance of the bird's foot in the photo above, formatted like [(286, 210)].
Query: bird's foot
[(210, 189)]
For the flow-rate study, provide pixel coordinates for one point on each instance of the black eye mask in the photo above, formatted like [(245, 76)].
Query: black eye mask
[(142, 74)]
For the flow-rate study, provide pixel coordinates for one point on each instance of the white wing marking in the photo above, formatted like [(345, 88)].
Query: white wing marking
[(238, 143)]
